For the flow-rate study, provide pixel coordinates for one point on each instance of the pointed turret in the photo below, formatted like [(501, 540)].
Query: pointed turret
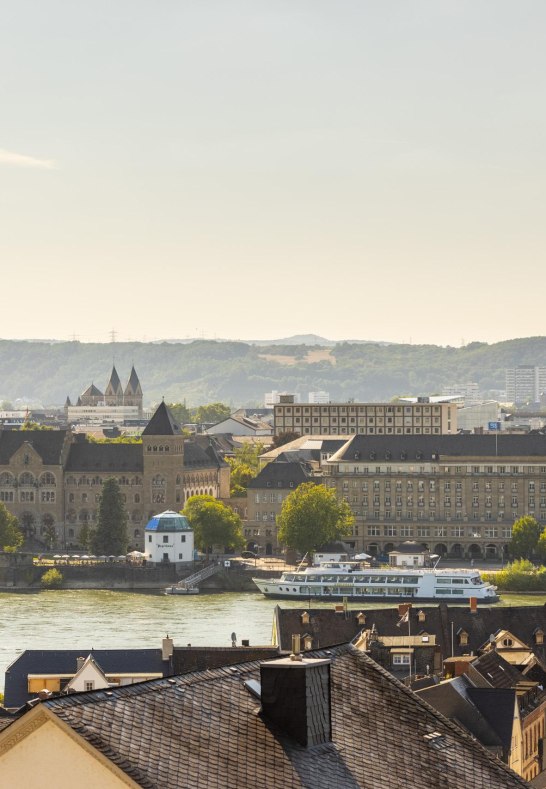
[(162, 423), (133, 391), (113, 394), (67, 402)]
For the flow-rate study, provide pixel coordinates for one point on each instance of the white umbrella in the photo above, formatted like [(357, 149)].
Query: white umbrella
[(57, 556), (122, 557), (363, 556), (85, 556), (75, 556), (65, 556)]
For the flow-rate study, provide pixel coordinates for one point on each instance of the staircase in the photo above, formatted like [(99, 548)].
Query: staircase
[(193, 581)]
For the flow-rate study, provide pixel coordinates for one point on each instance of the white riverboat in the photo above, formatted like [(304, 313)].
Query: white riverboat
[(336, 580)]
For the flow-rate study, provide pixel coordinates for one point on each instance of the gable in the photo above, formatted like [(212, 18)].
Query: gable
[(39, 745)]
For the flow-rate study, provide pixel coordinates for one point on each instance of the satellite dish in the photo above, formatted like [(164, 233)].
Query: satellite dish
[(234, 639)]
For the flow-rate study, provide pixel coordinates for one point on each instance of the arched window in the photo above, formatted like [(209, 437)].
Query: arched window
[(7, 479), (26, 478), (47, 478)]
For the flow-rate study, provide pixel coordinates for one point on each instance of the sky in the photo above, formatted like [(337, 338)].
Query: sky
[(253, 170)]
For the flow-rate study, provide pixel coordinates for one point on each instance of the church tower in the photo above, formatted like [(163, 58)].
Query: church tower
[(113, 394), (163, 457), (133, 391)]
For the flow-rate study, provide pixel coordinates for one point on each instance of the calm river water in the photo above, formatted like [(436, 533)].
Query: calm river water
[(70, 619)]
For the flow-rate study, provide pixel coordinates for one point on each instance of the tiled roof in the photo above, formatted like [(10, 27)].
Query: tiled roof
[(63, 661), (162, 423), (497, 671), (47, 443), (430, 448), (205, 731), (197, 456), (188, 659), (92, 391), (86, 456)]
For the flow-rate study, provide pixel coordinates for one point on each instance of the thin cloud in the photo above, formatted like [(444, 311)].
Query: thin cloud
[(20, 160)]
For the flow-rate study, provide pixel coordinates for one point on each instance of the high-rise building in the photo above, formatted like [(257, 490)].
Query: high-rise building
[(525, 383)]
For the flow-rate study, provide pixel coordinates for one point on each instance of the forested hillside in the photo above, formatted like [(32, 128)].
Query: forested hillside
[(239, 373)]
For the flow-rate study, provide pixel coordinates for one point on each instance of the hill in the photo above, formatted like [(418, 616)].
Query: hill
[(239, 373)]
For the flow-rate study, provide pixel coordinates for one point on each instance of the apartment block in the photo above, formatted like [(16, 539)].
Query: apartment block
[(420, 418), (525, 383)]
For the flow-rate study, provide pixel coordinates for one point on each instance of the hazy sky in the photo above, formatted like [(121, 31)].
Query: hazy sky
[(249, 169)]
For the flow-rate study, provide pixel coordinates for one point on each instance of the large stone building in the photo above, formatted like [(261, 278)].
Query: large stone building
[(459, 495), (53, 478), (421, 418), (525, 383)]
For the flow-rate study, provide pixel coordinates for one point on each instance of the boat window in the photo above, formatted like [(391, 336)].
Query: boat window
[(289, 578), (457, 591), (411, 579), (443, 591), (379, 580), (364, 580), (457, 580)]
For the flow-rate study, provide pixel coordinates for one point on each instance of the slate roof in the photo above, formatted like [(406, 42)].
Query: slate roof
[(86, 456), (162, 423), (329, 627), (92, 391), (47, 443), (497, 707), (282, 474), (188, 659), (451, 699), (428, 448), (497, 671), (64, 661), (205, 731), (197, 456)]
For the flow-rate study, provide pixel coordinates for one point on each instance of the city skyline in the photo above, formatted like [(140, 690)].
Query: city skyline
[(376, 171)]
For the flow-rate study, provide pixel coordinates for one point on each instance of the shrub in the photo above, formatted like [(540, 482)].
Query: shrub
[(519, 576), (52, 579)]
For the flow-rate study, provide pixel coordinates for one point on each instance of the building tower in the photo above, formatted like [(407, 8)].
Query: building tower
[(113, 394), (133, 391), (163, 460), (91, 397)]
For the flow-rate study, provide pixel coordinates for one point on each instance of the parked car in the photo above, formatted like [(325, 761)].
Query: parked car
[(249, 555)]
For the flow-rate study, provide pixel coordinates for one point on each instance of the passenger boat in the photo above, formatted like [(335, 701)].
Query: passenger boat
[(336, 580)]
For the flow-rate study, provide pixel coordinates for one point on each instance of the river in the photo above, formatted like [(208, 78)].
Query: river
[(73, 619)]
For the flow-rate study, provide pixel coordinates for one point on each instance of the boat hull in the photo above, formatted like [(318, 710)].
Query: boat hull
[(305, 598), (176, 590)]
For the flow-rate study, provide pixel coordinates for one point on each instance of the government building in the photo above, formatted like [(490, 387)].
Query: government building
[(53, 478), (457, 494)]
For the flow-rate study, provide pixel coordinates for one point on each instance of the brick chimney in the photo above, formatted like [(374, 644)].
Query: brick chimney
[(295, 695), (79, 663), (167, 648)]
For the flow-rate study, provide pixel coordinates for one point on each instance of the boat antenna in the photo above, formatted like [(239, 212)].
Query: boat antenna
[(301, 564)]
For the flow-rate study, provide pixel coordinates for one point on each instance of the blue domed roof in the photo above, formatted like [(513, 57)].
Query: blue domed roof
[(168, 521)]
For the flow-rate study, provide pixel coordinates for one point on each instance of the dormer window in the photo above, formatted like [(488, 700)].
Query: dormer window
[(307, 643), (305, 618), (421, 616), (507, 642), (539, 636), (463, 637), (361, 618)]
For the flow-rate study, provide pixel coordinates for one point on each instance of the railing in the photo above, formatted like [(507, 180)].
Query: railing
[(192, 581)]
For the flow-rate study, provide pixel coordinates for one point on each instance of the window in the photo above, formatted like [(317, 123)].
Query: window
[(149, 538), (165, 538), (401, 659), (89, 685)]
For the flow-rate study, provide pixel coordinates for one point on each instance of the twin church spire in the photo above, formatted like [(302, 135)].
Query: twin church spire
[(114, 394)]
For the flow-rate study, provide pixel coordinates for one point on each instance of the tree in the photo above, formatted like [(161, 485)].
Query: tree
[(541, 547), (311, 516), (284, 438), (110, 536), (213, 523), (11, 535), (244, 467), (49, 535), (213, 412), (87, 536), (525, 536), (180, 412)]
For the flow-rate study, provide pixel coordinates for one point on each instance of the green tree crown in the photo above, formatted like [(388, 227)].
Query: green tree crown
[(213, 523), (110, 536), (11, 535), (525, 536), (312, 516)]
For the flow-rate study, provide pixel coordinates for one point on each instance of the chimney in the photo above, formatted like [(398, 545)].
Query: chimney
[(79, 663), (295, 697), (403, 607), (473, 605), (245, 642), (167, 648)]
